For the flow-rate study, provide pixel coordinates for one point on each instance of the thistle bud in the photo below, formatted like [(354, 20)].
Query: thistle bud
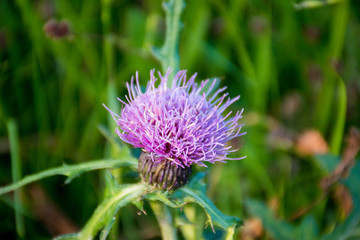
[(162, 173)]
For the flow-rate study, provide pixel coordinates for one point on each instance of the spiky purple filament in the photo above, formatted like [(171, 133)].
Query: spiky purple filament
[(182, 123)]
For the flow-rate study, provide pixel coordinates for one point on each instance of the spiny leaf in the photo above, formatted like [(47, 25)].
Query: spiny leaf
[(70, 171), (215, 217), (195, 192), (105, 212), (139, 204), (197, 182)]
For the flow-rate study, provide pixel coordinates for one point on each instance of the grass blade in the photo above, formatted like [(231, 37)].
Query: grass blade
[(16, 174)]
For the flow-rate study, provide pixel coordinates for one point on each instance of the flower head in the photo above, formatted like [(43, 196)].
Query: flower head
[(178, 120)]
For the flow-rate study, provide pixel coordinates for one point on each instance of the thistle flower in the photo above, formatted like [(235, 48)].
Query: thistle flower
[(176, 127)]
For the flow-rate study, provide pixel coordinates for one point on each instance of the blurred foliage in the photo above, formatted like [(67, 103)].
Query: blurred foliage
[(294, 69)]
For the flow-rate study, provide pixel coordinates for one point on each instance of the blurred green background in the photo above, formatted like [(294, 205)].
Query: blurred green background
[(295, 69)]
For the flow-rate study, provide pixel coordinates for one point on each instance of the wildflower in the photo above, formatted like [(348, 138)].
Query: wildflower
[(176, 127), (57, 30)]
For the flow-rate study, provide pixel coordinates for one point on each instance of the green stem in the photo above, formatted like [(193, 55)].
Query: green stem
[(168, 55), (16, 174), (193, 231), (230, 233), (106, 211), (123, 197), (164, 218), (69, 171)]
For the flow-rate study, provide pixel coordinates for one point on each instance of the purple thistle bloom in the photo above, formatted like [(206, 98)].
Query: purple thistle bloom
[(181, 123)]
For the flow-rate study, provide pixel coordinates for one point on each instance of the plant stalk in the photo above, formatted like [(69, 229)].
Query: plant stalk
[(16, 175), (168, 55), (163, 215)]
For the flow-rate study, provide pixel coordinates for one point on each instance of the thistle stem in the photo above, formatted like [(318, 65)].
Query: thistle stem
[(109, 207), (230, 233), (163, 215), (168, 54)]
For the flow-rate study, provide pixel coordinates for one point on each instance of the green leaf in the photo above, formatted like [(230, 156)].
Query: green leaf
[(16, 175), (309, 4), (192, 222), (104, 214), (278, 229), (71, 171), (165, 198), (195, 192), (182, 220), (197, 182), (107, 228), (111, 185), (344, 230), (308, 229), (140, 205), (339, 123), (71, 236), (327, 162)]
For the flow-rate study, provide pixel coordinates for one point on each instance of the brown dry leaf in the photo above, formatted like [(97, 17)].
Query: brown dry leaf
[(46, 211), (341, 194), (252, 229), (344, 199), (347, 161), (311, 142)]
